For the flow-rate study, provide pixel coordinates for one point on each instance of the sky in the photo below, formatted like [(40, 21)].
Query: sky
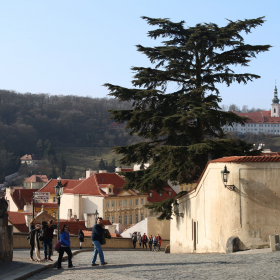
[(67, 47)]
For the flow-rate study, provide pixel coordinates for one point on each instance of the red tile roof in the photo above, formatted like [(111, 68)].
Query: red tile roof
[(37, 178), (126, 170), (18, 220), (22, 197), (29, 157), (46, 205), (156, 197), (260, 117), (260, 158), (67, 183), (92, 185)]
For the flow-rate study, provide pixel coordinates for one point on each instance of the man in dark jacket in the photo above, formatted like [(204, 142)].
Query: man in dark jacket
[(96, 238), (47, 232)]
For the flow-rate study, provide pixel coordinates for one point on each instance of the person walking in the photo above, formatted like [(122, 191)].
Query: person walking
[(81, 238), (150, 242), (47, 233), (96, 238), (65, 247), (139, 239), (159, 240), (134, 239), (34, 231), (144, 240)]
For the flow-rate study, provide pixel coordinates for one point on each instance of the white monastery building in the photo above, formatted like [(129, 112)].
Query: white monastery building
[(267, 122)]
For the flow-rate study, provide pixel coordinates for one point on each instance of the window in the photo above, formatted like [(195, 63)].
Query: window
[(107, 218), (151, 194), (142, 201), (130, 202), (113, 203), (113, 219), (136, 218), (162, 195), (142, 216), (125, 203), (107, 204), (169, 193), (120, 203), (54, 199), (110, 190), (125, 220), (130, 219), (136, 201), (120, 219), (54, 214)]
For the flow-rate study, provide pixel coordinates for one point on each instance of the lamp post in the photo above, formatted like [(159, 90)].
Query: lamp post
[(58, 192), (96, 215), (176, 209), (225, 174)]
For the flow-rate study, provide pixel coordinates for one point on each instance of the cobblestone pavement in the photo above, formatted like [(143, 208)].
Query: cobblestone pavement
[(158, 265)]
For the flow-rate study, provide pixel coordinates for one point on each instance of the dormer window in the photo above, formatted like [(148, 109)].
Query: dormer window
[(151, 194), (110, 190), (169, 193), (161, 194)]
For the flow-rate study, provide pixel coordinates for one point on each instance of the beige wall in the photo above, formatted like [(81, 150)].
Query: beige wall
[(21, 242), (11, 205), (155, 227), (114, 212), (251, 213)]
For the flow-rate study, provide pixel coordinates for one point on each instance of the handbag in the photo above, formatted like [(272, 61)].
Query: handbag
[(57, 245)]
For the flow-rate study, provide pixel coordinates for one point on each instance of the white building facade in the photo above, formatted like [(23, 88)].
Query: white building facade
[(267, 122)]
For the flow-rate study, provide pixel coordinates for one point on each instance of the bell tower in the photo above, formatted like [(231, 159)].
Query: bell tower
[(275, 106)]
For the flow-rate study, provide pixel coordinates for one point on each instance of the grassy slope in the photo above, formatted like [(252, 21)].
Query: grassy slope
[(83, 158)]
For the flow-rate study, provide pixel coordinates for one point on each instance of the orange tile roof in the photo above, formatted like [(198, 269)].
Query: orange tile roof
[(156, 197), (29, 157), (67, 183), (22, 197), (37, 178), (260, 117), (238, 159), (46, 205), (18, 220)]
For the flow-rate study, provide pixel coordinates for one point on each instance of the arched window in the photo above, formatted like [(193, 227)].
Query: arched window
[(274, 110)]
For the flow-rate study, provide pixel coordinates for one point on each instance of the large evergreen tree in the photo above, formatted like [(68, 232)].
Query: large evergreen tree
[(183, 128)]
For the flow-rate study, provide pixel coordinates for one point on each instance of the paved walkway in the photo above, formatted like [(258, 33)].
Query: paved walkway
[(131, 265)]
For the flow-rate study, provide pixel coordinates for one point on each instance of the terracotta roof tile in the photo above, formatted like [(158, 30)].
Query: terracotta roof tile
[(260, 117), (22, 197), (37, 178), (156, 197), (68, 185)]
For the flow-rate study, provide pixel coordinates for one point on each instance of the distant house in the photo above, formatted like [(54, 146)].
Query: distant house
[(35, 181), (29, 159), (102, 192)]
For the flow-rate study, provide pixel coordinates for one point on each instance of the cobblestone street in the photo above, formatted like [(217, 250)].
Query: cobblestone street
[(152, 265)]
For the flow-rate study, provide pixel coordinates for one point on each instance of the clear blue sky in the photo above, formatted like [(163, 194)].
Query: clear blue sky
[(68, 47)]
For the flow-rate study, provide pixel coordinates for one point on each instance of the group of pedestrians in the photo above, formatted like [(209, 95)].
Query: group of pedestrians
[(44, 233), (154, 242)]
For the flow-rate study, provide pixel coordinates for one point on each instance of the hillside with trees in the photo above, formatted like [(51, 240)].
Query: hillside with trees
[(41, 123)]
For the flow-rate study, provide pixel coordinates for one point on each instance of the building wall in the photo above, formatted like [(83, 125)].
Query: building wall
[(213, 213), (128, 209), (11, 205)]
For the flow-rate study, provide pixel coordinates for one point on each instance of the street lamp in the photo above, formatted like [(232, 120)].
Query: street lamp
[(225, 174), (176, 209), (96, 215), (58, 192)]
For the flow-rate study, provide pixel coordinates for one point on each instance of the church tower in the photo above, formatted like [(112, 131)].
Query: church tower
[(275, 106)]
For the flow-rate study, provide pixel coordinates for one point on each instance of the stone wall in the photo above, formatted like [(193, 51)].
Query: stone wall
[(6, 240), (20, 242)]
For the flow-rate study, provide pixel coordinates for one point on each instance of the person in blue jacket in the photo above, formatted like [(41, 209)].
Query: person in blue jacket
[(96, 237), (65, 246)]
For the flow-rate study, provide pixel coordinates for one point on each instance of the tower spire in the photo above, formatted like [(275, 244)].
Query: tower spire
[(275, 100)]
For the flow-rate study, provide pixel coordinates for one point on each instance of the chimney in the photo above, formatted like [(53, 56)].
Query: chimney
[(69, 214)]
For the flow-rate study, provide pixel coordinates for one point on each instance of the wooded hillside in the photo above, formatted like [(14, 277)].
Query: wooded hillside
[(64, 120)]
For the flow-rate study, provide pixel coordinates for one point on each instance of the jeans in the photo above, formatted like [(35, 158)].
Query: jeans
[(61, 252), (47, 242), (144, 244), (97, 250)]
